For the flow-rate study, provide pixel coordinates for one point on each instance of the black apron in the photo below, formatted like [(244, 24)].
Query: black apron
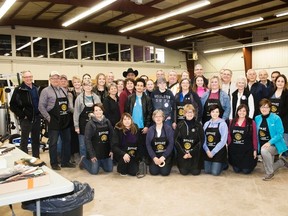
[(213, 137), (263, 133), (190, 144), (59, 115), (208, 103), (84, 115), (131, 149), (276, 104), (180, 111), (159, 145), (101, 141), (240, 151)]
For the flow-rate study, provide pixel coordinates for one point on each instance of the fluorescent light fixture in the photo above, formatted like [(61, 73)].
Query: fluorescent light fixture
[(92, 10), (68, 48), (284, 13), (216, 29), (234, 24), (260, 43), (6, 54), (29, 43), (166, 15), (6, 6)]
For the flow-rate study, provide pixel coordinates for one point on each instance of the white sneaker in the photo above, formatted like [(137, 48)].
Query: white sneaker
[(260, 159)]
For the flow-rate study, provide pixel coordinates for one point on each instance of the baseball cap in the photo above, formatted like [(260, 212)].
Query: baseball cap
[(63, 76), (54, 73)]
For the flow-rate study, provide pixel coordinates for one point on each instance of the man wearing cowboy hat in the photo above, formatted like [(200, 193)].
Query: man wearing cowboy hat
[(130, 73)]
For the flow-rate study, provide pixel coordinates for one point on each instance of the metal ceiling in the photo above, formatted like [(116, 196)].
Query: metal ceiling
[(51, 14)]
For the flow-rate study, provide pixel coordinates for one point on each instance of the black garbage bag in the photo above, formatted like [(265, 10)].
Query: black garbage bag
[(82, 194)]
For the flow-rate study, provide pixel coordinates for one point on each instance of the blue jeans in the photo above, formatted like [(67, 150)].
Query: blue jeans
[(93, 167), (65, 149), (214, 168), (82, 146)]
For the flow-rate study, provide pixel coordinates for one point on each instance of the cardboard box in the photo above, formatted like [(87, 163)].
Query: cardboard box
[(25, 184)]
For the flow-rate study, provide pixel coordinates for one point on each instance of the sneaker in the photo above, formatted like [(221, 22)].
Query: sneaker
[(56, 167), (68, 165), (268, 177), (259, 158), (121, 174), (284, 159), (81, 166)]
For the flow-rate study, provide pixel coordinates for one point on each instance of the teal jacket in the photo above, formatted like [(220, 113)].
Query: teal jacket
[(276, 131)]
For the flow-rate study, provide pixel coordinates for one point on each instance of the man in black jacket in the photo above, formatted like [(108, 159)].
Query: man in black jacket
[(24, 103), (139, 105)]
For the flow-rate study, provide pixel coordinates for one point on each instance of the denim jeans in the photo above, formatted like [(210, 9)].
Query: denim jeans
[(82, 146), (93, 167), (214, 168), (65, 148), (28, 127)]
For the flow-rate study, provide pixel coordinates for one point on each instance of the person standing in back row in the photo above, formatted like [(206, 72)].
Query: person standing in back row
[(24, 103), (53, 105)]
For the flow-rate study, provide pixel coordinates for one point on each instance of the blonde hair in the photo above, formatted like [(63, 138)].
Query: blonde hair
[(217, 78), (158, 111), (76, 78), (188, 107)]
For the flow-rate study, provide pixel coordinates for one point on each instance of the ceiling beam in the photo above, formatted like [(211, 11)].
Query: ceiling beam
[(43, 11), (18, 9), (65, 12)]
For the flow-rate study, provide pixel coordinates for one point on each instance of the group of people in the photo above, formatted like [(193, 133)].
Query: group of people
[(196, 123)]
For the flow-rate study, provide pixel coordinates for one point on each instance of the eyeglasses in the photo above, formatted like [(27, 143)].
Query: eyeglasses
[(265, 107)]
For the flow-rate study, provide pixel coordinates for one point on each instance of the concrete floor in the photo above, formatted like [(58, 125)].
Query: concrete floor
[(176, 195)]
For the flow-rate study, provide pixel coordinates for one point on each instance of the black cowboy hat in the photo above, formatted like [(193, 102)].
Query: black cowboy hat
[(130, 70)]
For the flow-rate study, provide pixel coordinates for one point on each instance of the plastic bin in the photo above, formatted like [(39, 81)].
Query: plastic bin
[(70, 204)]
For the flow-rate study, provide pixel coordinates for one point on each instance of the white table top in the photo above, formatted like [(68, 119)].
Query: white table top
[(58, 184)]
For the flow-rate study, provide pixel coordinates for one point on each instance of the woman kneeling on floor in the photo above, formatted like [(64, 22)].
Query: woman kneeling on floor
[(97, 139), (160, 143), (125, 145), (216, 132), (189, 138), (242, 141)]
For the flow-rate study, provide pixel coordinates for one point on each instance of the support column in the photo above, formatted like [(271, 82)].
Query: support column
[(190, 66), (247, 55)]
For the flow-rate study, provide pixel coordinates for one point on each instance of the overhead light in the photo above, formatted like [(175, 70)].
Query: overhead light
[(92, 10), (260, 43), (6, 6), (74, 46), (29, 43), (284, 13), (216, 29), (166, 15)]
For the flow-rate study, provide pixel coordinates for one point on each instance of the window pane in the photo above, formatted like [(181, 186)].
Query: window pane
[(71, 49), (160, 55), (40, 47), (149, 54), (113, 52), (86, 50), (5, 45), (56, 48), (138, 53), (125, 51), (23, 46), (100, 51)]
